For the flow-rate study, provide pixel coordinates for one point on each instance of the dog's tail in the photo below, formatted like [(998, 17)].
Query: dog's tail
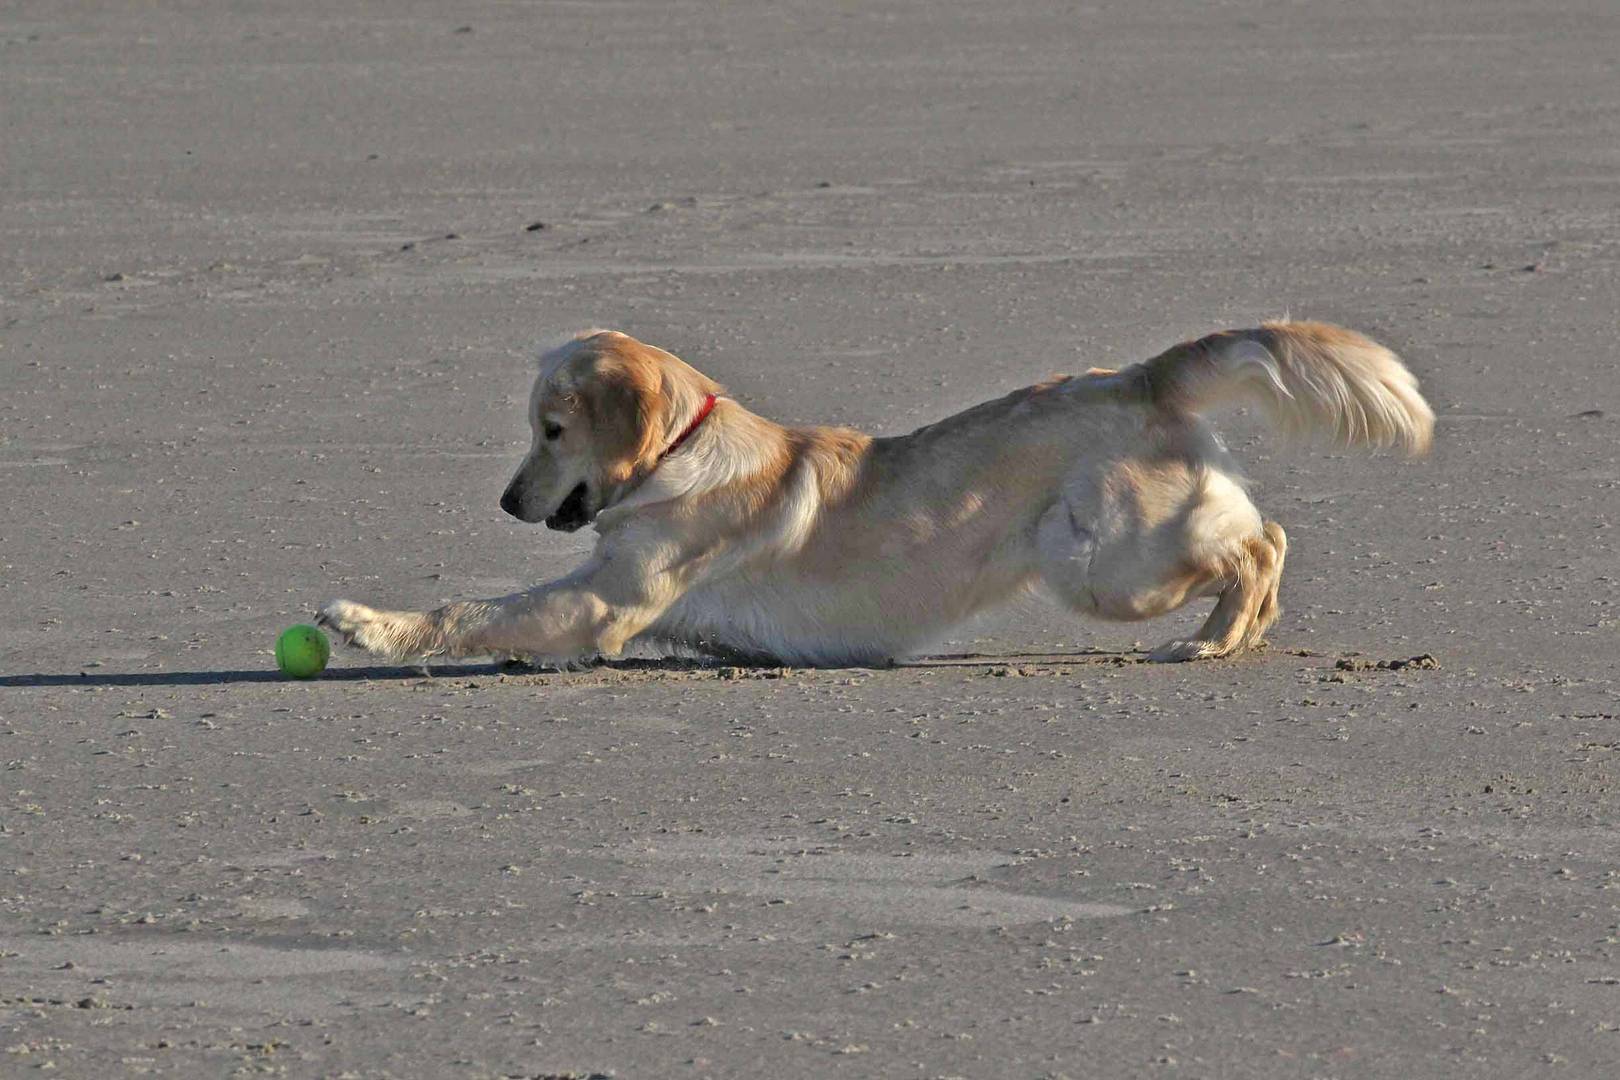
[(1310, 378)]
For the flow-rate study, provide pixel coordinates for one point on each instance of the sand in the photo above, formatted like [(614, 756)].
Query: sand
[(272, 281)]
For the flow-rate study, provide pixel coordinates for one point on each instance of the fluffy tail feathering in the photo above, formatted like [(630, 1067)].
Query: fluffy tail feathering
[(1310, 378)]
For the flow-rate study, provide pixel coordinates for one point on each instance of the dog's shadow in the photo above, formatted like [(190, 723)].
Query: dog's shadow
[(644, 668), (218, 678)]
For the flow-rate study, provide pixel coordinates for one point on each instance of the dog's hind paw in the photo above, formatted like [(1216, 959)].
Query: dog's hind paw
[(1177, 652)]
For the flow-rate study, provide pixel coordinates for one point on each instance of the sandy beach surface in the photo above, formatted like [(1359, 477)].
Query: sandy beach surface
[(272, 281)]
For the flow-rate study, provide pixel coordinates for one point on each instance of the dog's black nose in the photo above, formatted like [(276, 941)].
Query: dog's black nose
[(509, 501)]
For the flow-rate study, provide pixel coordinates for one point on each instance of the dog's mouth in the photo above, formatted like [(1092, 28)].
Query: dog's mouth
[(573, 512)]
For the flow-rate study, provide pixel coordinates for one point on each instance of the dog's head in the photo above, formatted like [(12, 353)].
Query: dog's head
[(604, 409)]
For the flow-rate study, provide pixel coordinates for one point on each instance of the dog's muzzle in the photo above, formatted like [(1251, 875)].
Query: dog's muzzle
[(573, 512)]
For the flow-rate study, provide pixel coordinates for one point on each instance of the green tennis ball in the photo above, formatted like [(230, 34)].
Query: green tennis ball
[(302, 651)]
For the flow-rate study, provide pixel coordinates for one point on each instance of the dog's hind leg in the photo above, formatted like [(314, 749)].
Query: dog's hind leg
[(1138, 540), (1247, 604), (1270, 609)]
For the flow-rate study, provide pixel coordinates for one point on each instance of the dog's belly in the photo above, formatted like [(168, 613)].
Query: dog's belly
[(793, 619), (775, 619)]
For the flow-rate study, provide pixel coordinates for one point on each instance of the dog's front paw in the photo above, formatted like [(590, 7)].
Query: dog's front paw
[(344, 618), (394, 634)]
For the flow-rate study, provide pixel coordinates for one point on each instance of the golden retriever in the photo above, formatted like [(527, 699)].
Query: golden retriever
[(724, 532)]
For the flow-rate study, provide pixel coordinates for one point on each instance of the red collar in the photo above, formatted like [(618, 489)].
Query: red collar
[(702, 415)]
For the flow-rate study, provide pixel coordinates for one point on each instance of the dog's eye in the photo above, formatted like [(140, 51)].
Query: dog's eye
[(551, 430)]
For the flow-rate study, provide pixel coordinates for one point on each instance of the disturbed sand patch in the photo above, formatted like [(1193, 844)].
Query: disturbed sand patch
[(160, 970), (944, 890)]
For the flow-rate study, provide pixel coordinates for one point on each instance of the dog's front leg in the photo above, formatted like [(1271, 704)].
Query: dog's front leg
[(586, 613)]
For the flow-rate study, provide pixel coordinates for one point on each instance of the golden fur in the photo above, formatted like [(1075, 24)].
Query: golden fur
[(822, 545)]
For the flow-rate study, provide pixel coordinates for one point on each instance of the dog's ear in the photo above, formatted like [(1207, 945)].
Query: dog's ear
[(625, 400)]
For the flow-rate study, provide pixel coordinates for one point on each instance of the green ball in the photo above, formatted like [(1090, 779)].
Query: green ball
[(302, 651)]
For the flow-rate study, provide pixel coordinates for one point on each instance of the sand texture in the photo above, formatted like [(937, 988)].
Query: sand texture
[(272, 281)]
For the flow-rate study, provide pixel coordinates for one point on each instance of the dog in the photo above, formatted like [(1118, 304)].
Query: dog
[(721, 531)]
